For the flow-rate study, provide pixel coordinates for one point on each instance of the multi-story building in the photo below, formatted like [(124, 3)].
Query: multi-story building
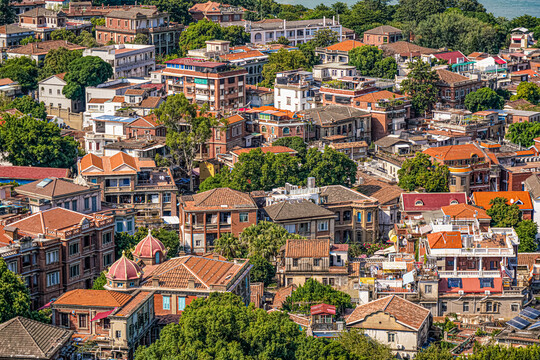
[(521, 198), (297, 32), (44, 21), (123, 25), (26, 5), (532, 185), (58, 250), (50, 93), (216, 12), (413, 205), (12, 34), (471, 169), (253, 60), (127, 60), (225, 138), (218, 84), (53, 192), (356, 150), (38, 50), (345, 90), (521, 38), (116, 322), (336, 124), (337, 53), (388, 110), (274, 123), (333, 71), (131, 182), (453, 88), (204, 217), (382, 35), (293, 90)]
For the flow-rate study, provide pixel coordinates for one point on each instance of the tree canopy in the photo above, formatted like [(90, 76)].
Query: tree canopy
[(503, 214), (23, 70), (196, 35), (421, 86), (421, 172), (14, 295), (28, 106), (57, 61), (483, 99), (369, 60), (528, 91), (502, 352), (313, 293), (126, 242), (526, 231), (281, 61), (262, 270), (7, 12), (523, 133), (294, 142), (26, 141), (83, 72)]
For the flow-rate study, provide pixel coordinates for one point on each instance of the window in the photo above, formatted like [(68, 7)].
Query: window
[(74, 205), (359, 217), (107, 259), (419, 203), (12, 266), (331, 281), (286, 131), (427, 289), (106, 238), (295, 262), (347, 215), (181, 303), (66, 205), (391, 337), (244, 217), (129, 225), (73, 248), (51, 257), (369, 217), (166, 303), (487, 282), (119, 227), (83, 320), (53, 278), (465, 307), (338, 216), (106, 323), (322, 225), (515, 307), (444, 307), (86, 203), (64, 319), (74, 271), (167, 197), (489, 306), (316, 262), (118, 334)]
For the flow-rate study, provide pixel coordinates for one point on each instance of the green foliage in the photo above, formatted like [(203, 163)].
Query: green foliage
[(362, 347), (265, 239), (357, 249), (63, 34), (97, 21), (230, 247), (281, 61), (29, 39), (502, 352), (125, 242), (14, 296), (312, 293), (57, 61), (281, 40), (161, 161), (188, 127), (7, 13), (421, 86), (502, 214), (236, 34), (458, 32), (262, 270), (528, 91), (434, 352), (483, 99), (369, 60), (418, 10), (293, 142), (523, 133), (87, 39), (100, 282), (308, 49), (83, 72), (421, 172), (526, 231), (330, 167), (324, 38), (196, 35), (30, 142), (23, 70), (178, 9), (28, 106), (366, 15)]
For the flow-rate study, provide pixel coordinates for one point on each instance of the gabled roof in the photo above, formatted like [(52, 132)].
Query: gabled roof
[(234, 119), (57, 218), (451, 56), (31, 172), (39, 11), (532, 183), (284, 211), (118, 164), (404, 311), (340, 193), (93, 298), (465, 211), (121, 158), (51, 187), (521, 198), (445, 240), (406, 49), (420, 202), (383, 30), (299, 248), (219, 198), (22, 338), (449, 77), (455, 152), (242, 55), (377, 96), (346, 45), (91, 160), (42, 48), (379, 190)]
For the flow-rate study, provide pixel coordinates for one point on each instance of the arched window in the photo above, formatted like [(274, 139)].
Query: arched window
[(272, 131), (157, 258), (263, 128), (454, 202), (258, 37), (418, 203), (286, 131)]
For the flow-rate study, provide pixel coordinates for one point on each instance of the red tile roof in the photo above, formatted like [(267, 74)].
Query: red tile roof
[(445, 240), (521, 198), (451, 56), (307, 248), (242, 55), (430, 201), (346, 45), (93, 298), (465, 211), (377, 96), (31, 173), (455, 152), (219, 198)]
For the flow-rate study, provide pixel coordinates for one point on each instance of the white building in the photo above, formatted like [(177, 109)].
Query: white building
[(106, 129), (297, 32), (50, 93), (532, 185), (56, 5), (333, 71), (492, 63), (293, 90), (127, 60)]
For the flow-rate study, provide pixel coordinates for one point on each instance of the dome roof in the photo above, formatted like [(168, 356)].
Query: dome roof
[(148, 247), (124, 269)]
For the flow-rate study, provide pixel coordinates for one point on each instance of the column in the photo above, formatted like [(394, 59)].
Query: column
[(480, 270), (455, 265)]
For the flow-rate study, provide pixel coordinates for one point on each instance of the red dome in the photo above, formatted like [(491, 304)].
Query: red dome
[(124, 269), (148, 247)]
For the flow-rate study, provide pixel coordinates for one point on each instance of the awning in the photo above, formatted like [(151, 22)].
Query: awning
[(102, 315), (47, 305), (464, 63), (171, 220)]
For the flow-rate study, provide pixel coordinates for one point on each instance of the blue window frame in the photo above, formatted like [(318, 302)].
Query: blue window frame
[(166, 303)]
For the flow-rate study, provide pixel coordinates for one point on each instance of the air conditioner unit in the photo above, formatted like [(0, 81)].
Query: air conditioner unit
[(487, 292), (461, 292)]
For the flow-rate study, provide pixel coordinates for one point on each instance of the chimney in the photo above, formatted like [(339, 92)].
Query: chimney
[(155, 281), (191, 284), (11, 232), (324, 20), (215, 256)]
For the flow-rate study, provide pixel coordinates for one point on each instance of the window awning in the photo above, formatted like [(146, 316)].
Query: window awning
[(102, 315)]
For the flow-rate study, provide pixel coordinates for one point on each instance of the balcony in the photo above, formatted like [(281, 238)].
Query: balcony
[(470, 274)]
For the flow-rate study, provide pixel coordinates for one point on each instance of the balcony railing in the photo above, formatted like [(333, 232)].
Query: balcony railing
[(470, 274)]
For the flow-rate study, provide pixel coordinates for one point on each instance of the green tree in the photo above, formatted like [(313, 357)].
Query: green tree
[(502, 352), (523, 133), (169, 239), (14, 295), (265, 239), (63, 34), (369, 60), (229, 246), (262, 270), (124, 243), (140, 39), (483, 99), (57, 61), (178, 9), (421, 86), (196, 35), (526, 231), (86, 39), (434, 352), (502, 214), (325, 37), (421, 172), (97, 21), (367, 14), (26, 141), (100, 281), (29, 39), (418, 10), (83, 72), (7, 12), (188, 128), (281, 61), (312, 293), (221, 179), (236, 34), (330, 167), (528, 91), (281, 40), (362, 347), (29, 106), (23, 70), (308, 49), (293, 142)]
